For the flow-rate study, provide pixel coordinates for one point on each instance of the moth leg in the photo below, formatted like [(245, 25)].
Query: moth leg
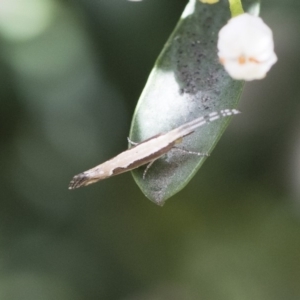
[(148, 167), (190, 152), (131, 142)]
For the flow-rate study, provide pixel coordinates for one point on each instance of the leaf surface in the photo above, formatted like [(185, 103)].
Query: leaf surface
[(186, 82)]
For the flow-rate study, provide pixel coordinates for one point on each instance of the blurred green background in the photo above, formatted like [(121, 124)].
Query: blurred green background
[(71, 74)]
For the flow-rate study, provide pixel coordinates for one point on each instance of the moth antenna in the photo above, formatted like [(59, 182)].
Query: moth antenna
[(194, 124)]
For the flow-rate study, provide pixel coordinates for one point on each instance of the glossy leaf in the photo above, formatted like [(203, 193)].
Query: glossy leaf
[(187, 82)]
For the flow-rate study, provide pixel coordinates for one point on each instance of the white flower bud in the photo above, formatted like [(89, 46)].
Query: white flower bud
[(246, 47)]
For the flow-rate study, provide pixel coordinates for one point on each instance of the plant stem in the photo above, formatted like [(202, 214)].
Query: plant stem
[(236, 7)]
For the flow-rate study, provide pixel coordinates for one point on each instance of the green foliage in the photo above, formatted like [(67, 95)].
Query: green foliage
[(187, 81), (66, 100)]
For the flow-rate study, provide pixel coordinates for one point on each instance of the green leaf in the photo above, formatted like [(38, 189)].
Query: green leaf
[(186, 82)]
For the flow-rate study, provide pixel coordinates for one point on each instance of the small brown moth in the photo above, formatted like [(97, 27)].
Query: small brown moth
[(145, 152)]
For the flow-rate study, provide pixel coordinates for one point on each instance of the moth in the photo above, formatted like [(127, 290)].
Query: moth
[(146, 152)]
